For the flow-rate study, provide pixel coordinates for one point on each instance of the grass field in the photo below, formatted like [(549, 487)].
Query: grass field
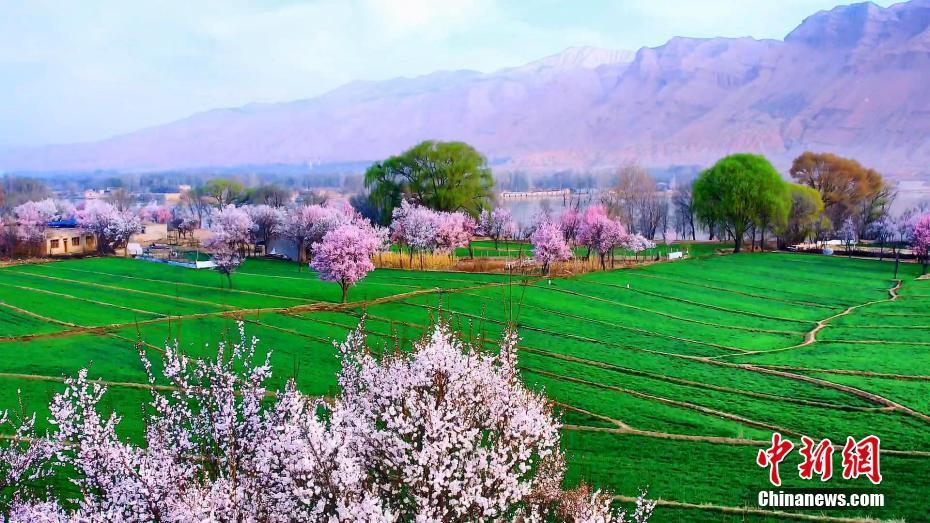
[(669, 376)]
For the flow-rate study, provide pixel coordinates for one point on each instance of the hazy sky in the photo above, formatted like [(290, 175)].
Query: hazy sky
[(85, 70)]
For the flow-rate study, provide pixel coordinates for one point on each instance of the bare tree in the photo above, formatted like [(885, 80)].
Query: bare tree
[(197, 202), (683, 202), (119, 198), (636, 200)]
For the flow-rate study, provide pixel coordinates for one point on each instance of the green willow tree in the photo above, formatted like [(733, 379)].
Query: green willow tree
[(739, 193), (444, 176)]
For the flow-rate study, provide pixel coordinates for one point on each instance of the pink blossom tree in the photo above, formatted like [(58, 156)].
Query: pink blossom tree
[(445, 432), (920, 241), (496, 224), (31, 221), (599, 233), (549, 245), (113, 228), (231, 230), (569, 222), (415, 227), (155, 213), (344, 255), (266, 220), (307, 224), (454, 230), (162, 214), (232, 226)]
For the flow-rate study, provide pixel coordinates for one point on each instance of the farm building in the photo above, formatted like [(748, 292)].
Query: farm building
[(64, 238), (61, 238)]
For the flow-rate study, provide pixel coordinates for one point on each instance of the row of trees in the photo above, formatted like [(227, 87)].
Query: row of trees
[(743, 196), (339, 242)]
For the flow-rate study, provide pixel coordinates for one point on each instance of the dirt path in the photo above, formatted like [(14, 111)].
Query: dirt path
[(234, 313), (867, 396), (46, 319), (811, 336), (863, 373), (107, 383), (699, 385)]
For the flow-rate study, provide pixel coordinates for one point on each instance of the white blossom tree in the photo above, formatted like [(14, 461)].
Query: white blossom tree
[(446, 432), (112, 227), (231, 230)]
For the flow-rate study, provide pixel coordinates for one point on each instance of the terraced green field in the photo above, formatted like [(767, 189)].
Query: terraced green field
[(669, 376)]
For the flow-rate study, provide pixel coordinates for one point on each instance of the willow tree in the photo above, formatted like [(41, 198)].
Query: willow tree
[(444, 176), (739, 193)]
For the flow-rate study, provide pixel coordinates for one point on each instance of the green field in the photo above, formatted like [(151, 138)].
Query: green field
[(669, 376)]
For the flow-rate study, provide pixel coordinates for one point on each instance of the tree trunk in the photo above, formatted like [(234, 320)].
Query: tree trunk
[(229, 279), (345, 292)]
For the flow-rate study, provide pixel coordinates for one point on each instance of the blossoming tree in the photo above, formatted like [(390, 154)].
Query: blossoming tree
[(112, 227), (446, 432), (637, 243), (569, 221), (307, 224), (266, 220), (344, 255), (231, 230), (31, 221), (921, 240), (415, 227), (496, 224), (599, 233), (454, 230), (549, 245), (155, 213)]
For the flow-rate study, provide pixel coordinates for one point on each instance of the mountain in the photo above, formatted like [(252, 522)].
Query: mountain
[(854, 80)]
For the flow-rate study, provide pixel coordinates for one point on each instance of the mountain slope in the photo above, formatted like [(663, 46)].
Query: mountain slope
[(854, 80)]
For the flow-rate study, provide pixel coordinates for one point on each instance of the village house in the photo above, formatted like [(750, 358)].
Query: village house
[(62, 238)]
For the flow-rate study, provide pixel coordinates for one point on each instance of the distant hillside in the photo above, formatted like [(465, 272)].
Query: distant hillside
[(854, 80)]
